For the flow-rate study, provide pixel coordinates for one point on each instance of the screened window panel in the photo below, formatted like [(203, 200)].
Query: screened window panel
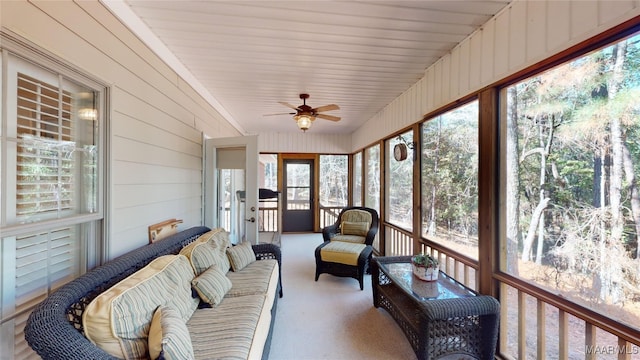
[(298, 199), (372, 183), (357, 179), (334, 176), (570, 188), (449, 179), (298, 175), (399, 184), (372, 178)]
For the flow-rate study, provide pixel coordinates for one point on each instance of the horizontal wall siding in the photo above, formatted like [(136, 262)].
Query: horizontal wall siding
[(521, 35), (304, 143), (157, 120)]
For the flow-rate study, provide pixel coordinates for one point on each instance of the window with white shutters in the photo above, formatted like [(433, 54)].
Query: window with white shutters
[(51, 217), (45, 156)]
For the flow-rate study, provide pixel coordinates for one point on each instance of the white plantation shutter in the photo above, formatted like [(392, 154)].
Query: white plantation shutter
[(45, 152), (51, 223), (44, 260)]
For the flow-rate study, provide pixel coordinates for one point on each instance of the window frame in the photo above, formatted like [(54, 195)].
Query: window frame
[(322, 176), (503, 279), (423, 234), (357, 178), (13, 45), (87, 227), (407, 139)]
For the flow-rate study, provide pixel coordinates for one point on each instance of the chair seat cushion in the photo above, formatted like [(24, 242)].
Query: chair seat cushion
[(342, 252)]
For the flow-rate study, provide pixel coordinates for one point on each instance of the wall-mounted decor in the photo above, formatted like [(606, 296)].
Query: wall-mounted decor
[(163, 229)]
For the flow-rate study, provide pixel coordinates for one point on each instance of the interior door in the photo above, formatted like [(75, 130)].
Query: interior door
[(231, 186), (297, 209)]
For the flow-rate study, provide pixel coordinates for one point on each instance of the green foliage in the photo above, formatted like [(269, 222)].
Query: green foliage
[(425, 260)]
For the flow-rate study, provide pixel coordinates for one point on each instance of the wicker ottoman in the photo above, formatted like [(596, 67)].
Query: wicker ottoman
[(343, 259)]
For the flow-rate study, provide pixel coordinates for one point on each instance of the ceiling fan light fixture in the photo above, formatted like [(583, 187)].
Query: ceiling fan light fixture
[(304, 122)]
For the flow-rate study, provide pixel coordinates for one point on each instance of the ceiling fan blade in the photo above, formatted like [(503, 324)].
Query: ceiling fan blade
[(288, 105), (287, 113), (327, 108), (328, 117)]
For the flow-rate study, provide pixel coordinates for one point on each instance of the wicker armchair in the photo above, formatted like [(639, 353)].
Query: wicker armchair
[(333, 232), (347, 248)]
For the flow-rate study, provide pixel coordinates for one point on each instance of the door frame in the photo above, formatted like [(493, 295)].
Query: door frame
[(210, 181), (315, 180)]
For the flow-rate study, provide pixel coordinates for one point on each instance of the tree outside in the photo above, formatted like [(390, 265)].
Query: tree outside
[(572, 198), (449, 173), (400, 183), (334, 179)]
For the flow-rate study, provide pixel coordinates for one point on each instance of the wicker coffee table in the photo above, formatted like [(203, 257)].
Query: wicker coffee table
[(441, 319)]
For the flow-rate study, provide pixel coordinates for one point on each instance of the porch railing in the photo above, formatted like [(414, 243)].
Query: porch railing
[(329, 215), (534, 323), (268, 217)]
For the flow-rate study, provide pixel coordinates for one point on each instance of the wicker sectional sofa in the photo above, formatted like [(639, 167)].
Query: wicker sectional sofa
[(138, 304)]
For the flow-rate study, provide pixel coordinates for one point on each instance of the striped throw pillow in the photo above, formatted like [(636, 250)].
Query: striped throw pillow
[(168, 336), (118, 319), (207, 250), (203, 256), (241, 255), (212, 285), (359, 228)]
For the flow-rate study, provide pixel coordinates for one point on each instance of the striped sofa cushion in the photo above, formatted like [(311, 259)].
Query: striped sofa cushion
[(236, 329), (259, 277), (118, 319)]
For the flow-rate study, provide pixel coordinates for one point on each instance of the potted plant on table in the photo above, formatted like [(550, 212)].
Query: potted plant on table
[(425, 267)]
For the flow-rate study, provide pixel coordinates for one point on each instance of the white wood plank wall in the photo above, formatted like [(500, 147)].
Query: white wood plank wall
[(522, 34), (304, 143), (157, 120)]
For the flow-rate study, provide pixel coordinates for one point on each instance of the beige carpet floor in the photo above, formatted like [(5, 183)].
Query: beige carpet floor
[(331, 318)]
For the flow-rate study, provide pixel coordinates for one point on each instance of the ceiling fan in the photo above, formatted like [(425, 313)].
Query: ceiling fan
[(305, 115)]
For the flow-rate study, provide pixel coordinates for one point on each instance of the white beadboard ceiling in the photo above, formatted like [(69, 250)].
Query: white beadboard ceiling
[(246, 56)]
